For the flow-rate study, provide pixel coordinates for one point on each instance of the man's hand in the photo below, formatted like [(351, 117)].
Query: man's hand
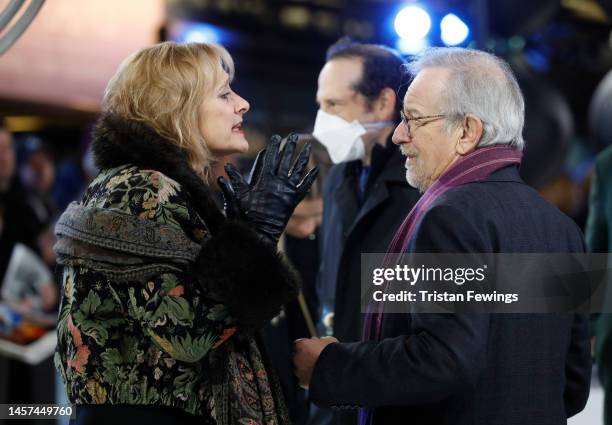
[(306, 352)]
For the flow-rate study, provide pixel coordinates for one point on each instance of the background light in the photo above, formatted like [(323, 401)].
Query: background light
[(199, 33), (411, 46), (412, 23), (453, 30)]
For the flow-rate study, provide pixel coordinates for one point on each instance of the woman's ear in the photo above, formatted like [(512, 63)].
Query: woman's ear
[(470, 133)]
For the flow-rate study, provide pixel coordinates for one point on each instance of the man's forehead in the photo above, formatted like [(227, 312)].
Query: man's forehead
[(426, 88)]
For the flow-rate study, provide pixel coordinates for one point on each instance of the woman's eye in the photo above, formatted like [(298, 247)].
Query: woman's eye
[(225, 96)]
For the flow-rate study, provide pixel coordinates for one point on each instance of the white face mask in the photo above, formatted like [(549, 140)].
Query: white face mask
[(341, 138)]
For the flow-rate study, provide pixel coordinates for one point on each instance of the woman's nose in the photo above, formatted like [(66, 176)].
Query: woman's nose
[(242, 105)]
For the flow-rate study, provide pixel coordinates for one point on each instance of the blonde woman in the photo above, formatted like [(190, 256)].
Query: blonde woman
[(163, 295)]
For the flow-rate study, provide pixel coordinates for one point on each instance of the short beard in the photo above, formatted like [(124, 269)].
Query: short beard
[(417, 184), (416, 178)]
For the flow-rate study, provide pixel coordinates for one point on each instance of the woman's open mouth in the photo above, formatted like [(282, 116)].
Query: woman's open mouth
[(237, 128)]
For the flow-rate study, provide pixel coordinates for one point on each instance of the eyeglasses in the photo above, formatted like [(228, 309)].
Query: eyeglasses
[(412, 123)]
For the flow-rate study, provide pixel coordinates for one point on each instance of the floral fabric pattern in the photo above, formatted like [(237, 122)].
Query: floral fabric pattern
[(140, 342), (251, 400)]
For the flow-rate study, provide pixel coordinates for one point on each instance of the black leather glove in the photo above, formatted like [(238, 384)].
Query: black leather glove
[(274, 189)]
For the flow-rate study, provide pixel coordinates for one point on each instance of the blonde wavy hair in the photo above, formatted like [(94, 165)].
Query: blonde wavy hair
[(164, 86)]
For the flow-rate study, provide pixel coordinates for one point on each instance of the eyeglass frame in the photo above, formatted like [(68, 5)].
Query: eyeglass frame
[(406, 120)]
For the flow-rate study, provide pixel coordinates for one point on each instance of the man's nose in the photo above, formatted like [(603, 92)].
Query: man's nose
[(400, 134)]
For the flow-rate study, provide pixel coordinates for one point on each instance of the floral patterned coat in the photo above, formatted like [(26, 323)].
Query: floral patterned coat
[(159, 307)]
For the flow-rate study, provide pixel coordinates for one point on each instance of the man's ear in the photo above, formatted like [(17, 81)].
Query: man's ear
[(470, 132), (384, 106)]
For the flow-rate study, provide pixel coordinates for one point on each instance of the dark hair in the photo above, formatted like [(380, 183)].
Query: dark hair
[(382, 67)]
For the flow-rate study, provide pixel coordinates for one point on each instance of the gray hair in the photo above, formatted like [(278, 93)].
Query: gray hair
[(480, 84)]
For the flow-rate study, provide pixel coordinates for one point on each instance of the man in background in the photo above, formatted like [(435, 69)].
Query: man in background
[(19, 220), (20, 382), (365, 195)]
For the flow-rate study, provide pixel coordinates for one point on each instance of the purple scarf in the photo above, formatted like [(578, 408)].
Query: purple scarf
[(476, 166)]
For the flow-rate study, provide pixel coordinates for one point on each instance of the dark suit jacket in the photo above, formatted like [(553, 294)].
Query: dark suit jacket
[(351, 227), (471, 368)]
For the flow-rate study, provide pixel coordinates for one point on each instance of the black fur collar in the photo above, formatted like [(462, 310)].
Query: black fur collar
[(118, 141)]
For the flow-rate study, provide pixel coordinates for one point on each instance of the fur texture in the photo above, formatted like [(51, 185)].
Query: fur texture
[(244, 272), (235, 266), (117, 141)]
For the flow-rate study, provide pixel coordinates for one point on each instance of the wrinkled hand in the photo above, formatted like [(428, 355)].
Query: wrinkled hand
[(274, 189), (306, 352)]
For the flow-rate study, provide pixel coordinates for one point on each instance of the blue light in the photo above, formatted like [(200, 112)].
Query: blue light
[(411, 46), (200, 33), (412, 23), (453, 30)]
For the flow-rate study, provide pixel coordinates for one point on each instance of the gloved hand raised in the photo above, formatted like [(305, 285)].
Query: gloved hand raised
[(274, 189)]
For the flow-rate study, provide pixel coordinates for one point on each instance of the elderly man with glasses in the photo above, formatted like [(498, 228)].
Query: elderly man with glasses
[(461, 134)]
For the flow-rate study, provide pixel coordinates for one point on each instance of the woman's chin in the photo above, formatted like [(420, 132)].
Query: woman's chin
[(239, 144), (240, 148), (233, 148)]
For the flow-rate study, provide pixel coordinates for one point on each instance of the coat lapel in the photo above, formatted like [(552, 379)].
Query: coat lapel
[(346, 199)]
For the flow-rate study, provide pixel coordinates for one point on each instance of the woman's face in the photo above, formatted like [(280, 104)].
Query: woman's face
[(221, 120)]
